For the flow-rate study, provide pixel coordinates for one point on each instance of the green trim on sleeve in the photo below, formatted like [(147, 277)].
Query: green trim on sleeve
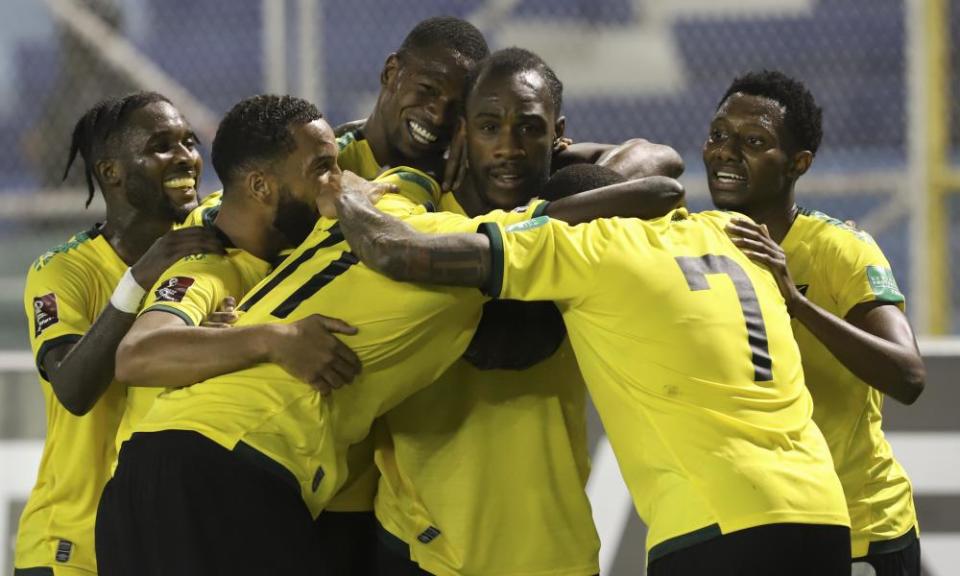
[(494, 284), (684, 541), (50, 345), (171, 310), (540, 210), (883, 284)]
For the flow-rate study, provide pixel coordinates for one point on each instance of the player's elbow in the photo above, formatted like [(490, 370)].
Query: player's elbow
[(669, 161), (66, 391), (658, 159), (912, 382)]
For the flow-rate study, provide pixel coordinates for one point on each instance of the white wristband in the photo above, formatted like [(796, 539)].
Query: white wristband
[(128, 294)]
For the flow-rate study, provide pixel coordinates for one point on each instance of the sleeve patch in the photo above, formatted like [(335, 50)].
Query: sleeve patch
[(44, 312), (883, 284), (528, 224), (173, 289)]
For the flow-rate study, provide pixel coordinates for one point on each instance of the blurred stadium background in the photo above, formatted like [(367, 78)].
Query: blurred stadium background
[(885, 72)]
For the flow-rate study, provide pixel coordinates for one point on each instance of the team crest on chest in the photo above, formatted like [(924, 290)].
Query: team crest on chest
[(173, 289), (44, 312)]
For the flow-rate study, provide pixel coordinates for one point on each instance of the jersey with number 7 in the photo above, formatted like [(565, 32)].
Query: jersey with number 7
[(687, 351)]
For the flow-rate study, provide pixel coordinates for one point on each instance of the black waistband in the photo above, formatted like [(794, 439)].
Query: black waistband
[(895, 545)]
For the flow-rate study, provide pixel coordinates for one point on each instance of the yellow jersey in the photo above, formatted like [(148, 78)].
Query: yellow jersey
[(407, 337), (191, 289), (443, 456), (837, 267), (356, 155), (687, 351), (66, 290)]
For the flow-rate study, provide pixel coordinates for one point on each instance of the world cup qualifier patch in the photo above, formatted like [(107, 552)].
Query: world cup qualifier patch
[(44, 312), (883, 284), (173, 289)]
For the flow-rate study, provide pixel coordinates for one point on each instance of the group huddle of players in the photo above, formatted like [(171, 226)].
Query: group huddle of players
[(370, 353)]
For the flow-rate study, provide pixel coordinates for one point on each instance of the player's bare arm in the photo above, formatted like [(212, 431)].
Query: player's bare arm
[(394, 249), (634, 158), (874, 341), (80, 372), (649, 197), (161, 350)]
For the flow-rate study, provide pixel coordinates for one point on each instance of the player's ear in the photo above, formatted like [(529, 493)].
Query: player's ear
[(390, 69), (258, 187), (108, 172), (560, 126), (799, 164)]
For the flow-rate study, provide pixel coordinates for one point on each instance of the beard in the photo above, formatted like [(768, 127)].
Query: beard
[(146, 196), (295, 219)]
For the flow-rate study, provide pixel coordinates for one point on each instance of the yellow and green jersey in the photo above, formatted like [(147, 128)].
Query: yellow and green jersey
[(356, 155), (481, 457), (191, 289), (687, 351), (837, 267), (66, 290), (407, 337)]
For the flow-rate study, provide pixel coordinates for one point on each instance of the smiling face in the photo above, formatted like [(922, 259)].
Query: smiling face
[(510, 128), (300, 178), (422, 88), (748, 153), (160, 162)]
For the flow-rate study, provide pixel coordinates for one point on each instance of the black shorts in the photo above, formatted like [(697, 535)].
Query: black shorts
[(781, 549), (181, 504), (903, 560), (348, 543), (393, 556)]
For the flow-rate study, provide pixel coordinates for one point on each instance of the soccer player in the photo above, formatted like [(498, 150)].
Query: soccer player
[(686, 348), (421, 91), (414, 121), (856, 343), (444, 501), (272, 153), (83, 296)]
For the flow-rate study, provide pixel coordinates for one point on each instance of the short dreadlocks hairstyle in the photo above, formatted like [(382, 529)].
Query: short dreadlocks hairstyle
[(512, 61), (257, 130), (452, 33), (803, 118), (96, 133)]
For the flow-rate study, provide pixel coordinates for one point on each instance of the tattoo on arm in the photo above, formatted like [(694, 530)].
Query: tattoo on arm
[(394, 249)]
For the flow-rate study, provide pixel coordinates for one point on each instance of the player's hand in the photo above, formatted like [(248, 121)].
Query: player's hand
[(561, 144), (169, 248), (223, 317), (455, 169), (309, 351), (754, 240), (348, 187)]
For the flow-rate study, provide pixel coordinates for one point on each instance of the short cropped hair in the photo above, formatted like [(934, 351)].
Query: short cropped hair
[(512, 61), (578, 178), (257, 130), (803, 118), (449, 32)]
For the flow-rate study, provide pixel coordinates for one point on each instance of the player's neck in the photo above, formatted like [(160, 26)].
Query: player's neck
[(778, 215), (249, 229), (131, 232), (470, 199)]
